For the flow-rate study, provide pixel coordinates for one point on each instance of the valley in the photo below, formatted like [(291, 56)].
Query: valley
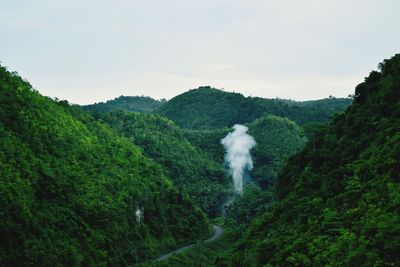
[(207, 178)]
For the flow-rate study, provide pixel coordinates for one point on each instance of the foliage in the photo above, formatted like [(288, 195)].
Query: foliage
[(203, 254), (190, 169), (143, 104), (195, 166), (339, 199), (208, 141), (70, 188), (277, 139), (253, 202), (207, 108)]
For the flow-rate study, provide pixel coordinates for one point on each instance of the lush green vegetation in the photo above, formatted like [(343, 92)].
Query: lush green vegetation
[(339, 199), (93, 189), (143, 104), (277, 139), (202, 254), (208, 141), (206, 108), (190, 169), (193, 158), (72, 189)]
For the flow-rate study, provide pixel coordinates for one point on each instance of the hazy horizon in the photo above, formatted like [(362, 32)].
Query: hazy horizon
[(222, 89), (94, 51)]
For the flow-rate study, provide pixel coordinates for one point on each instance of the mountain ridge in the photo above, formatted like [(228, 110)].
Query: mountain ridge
[(208, 108), (143, 104), (338, 199)]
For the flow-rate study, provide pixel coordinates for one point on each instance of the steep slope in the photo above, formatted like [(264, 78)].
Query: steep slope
[(208, 141), (277, 139), (73, 192), (206, 108), (196, 165), (143, 104), (188, 167), (339, 199)]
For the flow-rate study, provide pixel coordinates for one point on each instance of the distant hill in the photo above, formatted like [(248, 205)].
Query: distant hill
[(74, 192), (207, 107), (143, 104), (339, 198)]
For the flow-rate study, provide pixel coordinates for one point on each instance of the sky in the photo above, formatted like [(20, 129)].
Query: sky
[(89, 51)]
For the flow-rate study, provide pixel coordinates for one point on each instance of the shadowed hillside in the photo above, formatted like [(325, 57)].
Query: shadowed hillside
[(339, 199)]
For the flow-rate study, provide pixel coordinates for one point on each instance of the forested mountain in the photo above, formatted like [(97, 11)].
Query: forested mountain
[(112, 187), (190, 169), (339, 199), (73, 192), (193, 159), (143, 104), (277, 139), (206, 108)]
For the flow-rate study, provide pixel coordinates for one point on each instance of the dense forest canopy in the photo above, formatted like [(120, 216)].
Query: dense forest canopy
[(143, 104), (74, 192), (338, 199), (193, 159), (121, 182), (189, 168), (207, 108), (277, 139)]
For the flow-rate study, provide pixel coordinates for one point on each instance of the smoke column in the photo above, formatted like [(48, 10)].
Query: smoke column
[(238, 145)]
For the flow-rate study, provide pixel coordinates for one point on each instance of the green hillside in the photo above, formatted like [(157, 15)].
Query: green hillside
[(143, 104), (209, 141), (277, 139), (206, 108), (339, 199), (113, 187), (189, 167), (193, 159), (75, 193)]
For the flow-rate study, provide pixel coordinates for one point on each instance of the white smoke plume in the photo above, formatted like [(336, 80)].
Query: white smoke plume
[(139, 215), (238, 145)]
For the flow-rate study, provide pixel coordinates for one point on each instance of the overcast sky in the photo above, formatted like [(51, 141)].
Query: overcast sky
[(88, 51)]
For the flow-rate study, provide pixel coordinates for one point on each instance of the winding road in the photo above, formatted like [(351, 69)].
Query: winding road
[(218, 231)]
